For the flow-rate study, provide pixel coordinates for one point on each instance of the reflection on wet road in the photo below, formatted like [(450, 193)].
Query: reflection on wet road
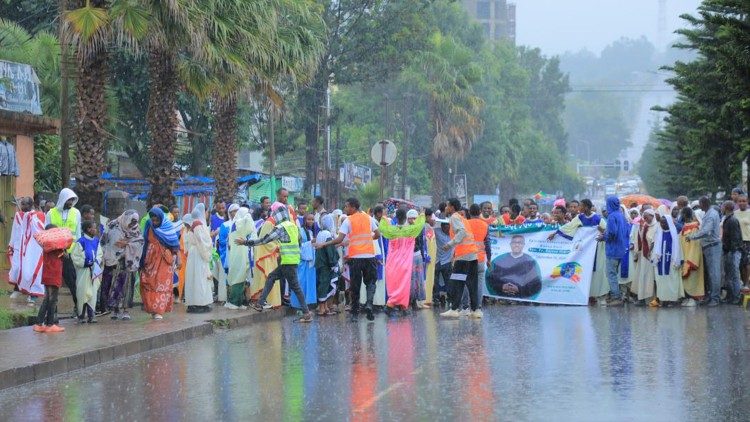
[(519, 362)]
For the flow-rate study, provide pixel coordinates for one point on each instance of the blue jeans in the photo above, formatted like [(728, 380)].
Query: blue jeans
[(613, 276), (712, 261), (732, 272)]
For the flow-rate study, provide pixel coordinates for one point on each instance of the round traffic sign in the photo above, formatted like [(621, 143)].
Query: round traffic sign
[(383, 153)]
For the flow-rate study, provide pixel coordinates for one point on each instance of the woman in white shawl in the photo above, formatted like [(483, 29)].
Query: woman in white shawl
[(238, 258), (198, 278), (667, 257), (635, 224), (122, 244), (644, 283)]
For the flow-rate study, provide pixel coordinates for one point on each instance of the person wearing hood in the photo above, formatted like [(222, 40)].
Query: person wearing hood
[(238, 258), (122, 244), (326, 266), (198, 278), (667, 257), (65, 214), (25, 253), (616, 241), (159, 259), (86, 255), (286, 234), (220, 269), (266, 261), (644, 283), (635, 224)]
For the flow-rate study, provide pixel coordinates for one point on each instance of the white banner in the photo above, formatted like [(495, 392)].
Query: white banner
[(528, 267)]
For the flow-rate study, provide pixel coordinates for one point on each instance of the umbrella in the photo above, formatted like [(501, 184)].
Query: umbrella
[(666, 202), (640, 199)]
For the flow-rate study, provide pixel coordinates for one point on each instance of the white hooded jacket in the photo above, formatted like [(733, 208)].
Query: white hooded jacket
[(65, 195)]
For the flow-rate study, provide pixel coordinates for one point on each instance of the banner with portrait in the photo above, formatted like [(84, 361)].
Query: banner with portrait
[(527, 266)]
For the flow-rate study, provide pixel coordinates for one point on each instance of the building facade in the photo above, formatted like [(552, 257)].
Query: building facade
[(498, 18)]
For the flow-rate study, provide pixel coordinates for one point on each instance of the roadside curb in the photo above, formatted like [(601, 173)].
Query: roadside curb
[(38, 371)]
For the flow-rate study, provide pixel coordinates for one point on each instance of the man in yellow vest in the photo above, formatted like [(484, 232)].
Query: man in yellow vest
[(65, 214), (464, 261), (363, 265), (287, 235)]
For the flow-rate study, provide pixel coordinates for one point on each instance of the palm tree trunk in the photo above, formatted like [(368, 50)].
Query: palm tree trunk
[(162, 122), (64, 97), (223, 166), (89, 131)]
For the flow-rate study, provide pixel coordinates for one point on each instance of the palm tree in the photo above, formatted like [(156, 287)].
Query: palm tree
[(91, 27), (248, 49), (445, 74)]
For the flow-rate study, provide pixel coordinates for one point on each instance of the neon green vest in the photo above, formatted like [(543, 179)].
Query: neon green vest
[(290, 250), (71, 223)]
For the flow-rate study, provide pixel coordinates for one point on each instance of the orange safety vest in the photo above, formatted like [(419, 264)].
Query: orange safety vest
[(479, 229), (467, 246), (360, 237)]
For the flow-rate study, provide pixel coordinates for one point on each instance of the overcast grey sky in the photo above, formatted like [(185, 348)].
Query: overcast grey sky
[(557, 26)]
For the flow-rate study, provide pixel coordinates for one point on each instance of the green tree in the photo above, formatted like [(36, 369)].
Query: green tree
[(445, 74)]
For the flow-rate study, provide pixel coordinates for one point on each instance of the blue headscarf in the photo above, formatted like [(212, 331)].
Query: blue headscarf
[(167, 233)]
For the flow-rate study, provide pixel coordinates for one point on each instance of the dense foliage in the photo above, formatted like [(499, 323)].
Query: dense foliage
[(706, 135)]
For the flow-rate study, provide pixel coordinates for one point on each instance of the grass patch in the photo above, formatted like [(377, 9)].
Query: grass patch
[(220, 323), (13, 319)]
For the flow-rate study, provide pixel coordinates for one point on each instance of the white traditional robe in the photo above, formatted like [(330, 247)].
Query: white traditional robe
[(26, 261), (239, 255), (198, 278), (87, 279)]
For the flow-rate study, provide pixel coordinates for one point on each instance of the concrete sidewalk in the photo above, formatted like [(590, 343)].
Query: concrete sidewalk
[(28, 356)]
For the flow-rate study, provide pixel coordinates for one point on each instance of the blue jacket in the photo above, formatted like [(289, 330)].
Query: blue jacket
[(617, 236)]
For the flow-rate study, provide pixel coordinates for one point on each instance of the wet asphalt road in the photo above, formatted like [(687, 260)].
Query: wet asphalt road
[(518, 363)]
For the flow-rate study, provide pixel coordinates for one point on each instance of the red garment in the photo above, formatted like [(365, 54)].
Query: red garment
[(513, 222), (53, 266)]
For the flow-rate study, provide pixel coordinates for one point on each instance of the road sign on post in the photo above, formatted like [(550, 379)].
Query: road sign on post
[(383, 153)]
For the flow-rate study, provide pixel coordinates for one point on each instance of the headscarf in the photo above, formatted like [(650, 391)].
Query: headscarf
[(125, 221), (327, 226), (676, 257), (663, 210), (280, 214), (637, 218), (199, 213), (243, 223), (560, 202), (412, 214), (233, 208), (651, 212), (166, 232)]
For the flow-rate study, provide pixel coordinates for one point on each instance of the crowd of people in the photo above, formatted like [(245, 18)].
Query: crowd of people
[(364, 261)]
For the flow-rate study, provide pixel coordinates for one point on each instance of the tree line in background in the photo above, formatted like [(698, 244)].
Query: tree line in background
[(705, 137), (231, 73)]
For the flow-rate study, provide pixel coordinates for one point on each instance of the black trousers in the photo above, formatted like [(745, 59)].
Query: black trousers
[(48, 311), (362, 270), (442, 271), (464, 274), (69, 278), (289, 273)]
